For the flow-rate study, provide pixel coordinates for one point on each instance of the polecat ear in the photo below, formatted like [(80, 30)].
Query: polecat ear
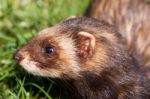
[(86, 44), (71, 17)]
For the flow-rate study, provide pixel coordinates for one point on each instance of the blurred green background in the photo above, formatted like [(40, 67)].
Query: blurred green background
[(20, 20)]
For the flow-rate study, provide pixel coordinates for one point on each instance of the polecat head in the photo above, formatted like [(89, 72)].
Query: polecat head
[(69, 48)]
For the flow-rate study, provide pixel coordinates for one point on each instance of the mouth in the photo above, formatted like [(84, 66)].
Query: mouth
[(29, 66)]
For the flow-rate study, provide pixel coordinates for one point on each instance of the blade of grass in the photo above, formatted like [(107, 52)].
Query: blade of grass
[(37, 86)]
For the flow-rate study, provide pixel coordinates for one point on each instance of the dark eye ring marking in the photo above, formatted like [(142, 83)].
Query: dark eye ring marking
[(49, 49)]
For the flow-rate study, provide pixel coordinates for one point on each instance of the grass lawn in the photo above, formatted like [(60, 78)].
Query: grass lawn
[(20, 20)]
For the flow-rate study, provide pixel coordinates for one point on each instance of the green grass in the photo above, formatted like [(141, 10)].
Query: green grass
[(20, 20)]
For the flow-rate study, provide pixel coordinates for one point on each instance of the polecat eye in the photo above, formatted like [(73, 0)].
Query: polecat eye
[(49, 49)]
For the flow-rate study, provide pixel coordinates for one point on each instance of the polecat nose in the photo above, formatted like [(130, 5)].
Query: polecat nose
[(17, 57)]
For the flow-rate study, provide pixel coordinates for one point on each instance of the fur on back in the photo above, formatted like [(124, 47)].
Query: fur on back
[(132, 20)]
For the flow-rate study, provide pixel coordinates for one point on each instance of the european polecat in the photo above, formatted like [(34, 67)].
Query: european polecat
[(91, 55), (132, 19)]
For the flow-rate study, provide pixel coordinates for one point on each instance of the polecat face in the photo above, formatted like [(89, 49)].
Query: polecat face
[(49, 54), (67, 49)]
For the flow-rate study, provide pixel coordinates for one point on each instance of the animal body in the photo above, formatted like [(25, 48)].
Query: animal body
[(132, 19), (91, 55), (99, 61)]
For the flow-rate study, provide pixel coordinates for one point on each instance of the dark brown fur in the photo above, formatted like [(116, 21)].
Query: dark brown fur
[(132, 19), (36, 53), (110, 72), (121, 77)]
